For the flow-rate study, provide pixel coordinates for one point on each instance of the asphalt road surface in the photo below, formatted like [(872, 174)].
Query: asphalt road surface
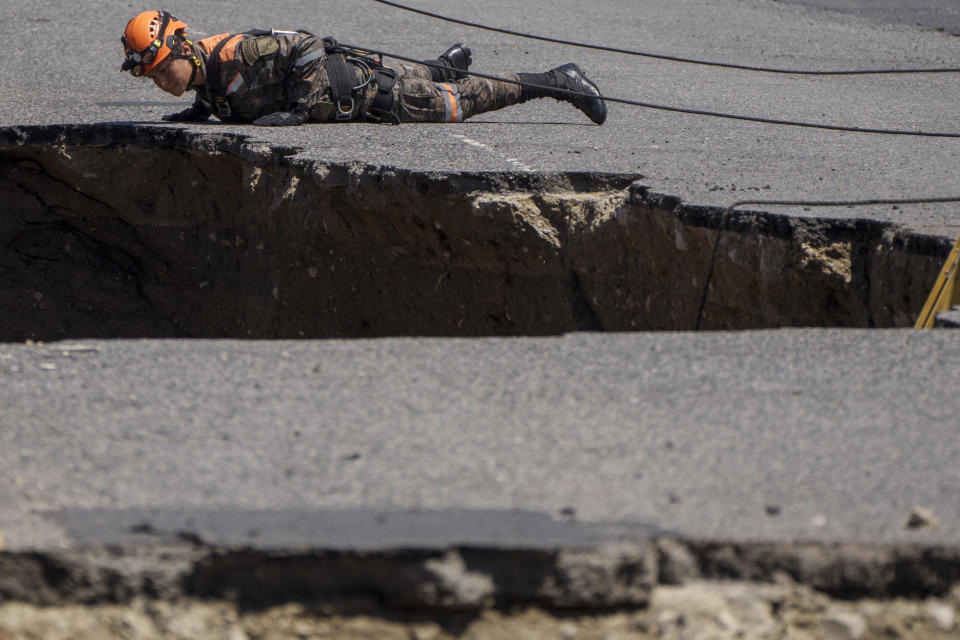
[(782, 434), (772, 435), (936, 14)]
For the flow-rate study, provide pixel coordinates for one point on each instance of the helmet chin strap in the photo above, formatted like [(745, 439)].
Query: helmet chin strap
[(196, 68), (193, 58)]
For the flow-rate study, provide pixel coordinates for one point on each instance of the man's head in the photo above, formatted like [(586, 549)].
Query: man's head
[(156, 46)]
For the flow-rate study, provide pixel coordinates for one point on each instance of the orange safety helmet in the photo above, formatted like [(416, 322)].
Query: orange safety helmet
[(148, 39)]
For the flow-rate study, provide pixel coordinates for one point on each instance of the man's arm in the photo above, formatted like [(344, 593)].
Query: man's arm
[(302, 80)]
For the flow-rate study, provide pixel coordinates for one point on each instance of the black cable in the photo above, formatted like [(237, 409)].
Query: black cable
[(660, 107), (725, 218), (725, 65)]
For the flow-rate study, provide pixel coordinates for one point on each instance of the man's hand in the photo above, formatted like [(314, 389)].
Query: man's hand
[(281, 119), (190, 114)]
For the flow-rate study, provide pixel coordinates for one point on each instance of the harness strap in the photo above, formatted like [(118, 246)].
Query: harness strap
[(195, 63), (381, 109), (342, 78), (341, 73), (213, 80)]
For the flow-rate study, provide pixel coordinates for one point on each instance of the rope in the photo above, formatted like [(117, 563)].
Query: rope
[(725, 218), (657, 56), (660, 107)]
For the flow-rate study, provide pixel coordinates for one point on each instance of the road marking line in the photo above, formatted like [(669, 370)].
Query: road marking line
[(476, 143)]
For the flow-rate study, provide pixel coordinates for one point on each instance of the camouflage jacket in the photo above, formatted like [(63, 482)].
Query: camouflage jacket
[(259, 73)]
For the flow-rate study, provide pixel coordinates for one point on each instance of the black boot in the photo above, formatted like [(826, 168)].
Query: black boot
[(571, 78), (455, 61)]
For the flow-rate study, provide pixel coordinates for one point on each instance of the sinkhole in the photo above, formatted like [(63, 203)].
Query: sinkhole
[(130, 231)]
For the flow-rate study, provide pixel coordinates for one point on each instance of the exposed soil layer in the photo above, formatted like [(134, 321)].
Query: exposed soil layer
[(600, 576), (718, 611), (129, 231), (665, 588)]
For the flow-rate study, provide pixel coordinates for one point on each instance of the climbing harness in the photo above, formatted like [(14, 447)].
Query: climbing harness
[(341, 63), (214, 84), (381, 109), (342, 76)]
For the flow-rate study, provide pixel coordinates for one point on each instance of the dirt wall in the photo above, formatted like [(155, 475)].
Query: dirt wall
[(153, 237)]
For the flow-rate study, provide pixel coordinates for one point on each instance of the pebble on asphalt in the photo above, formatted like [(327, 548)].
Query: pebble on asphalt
[(922, 518)]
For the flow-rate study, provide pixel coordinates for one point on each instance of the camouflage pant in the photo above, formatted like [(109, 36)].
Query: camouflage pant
[(417, 98)]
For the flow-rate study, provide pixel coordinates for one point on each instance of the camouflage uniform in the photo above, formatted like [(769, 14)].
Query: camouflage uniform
[(419, 99), (260, 74)]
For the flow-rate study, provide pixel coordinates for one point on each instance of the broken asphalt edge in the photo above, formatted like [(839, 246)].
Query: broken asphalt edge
[(240, 145), (434, 560)]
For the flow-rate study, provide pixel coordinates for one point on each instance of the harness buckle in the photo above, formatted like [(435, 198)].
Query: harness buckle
[(345, 108), (330, 45)]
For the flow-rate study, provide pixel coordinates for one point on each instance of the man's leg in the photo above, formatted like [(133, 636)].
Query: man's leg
[(420, 99), (451, 64), (423, 100), (570, 78)]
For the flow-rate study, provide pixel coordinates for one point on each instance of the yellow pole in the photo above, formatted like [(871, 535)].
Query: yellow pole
[(945, 294)]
